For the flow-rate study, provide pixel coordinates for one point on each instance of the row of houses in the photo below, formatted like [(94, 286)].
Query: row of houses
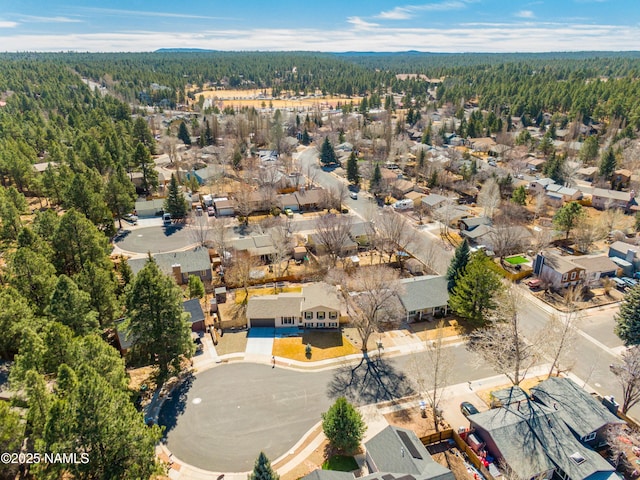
[(550, 433), (601, 198), (320, 305)]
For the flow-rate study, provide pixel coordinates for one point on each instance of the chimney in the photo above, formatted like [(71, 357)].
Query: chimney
[(177, 272)]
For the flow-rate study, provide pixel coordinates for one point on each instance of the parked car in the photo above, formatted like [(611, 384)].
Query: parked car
[(131, 218), (199, 211), (353, 195), (629, 281), (468, 408), (620, 284), (166, 219), (492, 163), (288, 212), (211, 211)]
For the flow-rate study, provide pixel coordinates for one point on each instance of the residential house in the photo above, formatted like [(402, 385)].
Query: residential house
[(149, 208), (540, 185), (626, 256), (400, 188), (123, 338), (559, 195), (533, 441), (393, 454), (314, 242), (317, 306), (256, 245), (470, 223), (424, 296), (433, 201), (196, 314), (482, 144), (621, 179), (290, 201), (224, 207), (587, 418), (179, 265), (586, 173), (557, 269), (452, 214), (41, 167), (205, 174), (534, 164), (602, 198), (310, 199), (565, 270)]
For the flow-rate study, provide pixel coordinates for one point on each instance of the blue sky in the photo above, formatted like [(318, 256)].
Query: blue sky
[(321, 25)]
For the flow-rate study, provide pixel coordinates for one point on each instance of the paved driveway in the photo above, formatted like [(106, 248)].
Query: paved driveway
[(260, 341)]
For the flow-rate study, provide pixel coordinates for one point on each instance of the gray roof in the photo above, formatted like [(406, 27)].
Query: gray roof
[(510, 395), (274, 306), (255, 244), (124, 338), (433, 199), (194, 309), (579, 410), (477, 232), (473, 222), (559, 263), (623, 248), (597, 263), (328, 475), (427, 291), (612, 194), (390, 453), (533, 439), (320, 295), (190, 261)]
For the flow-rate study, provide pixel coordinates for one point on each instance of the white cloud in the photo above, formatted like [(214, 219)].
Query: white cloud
[(408, 11), (36, 19), (520, 37), (398, 13), (525, 14), (360, 23), (8, 24), (150, 13)]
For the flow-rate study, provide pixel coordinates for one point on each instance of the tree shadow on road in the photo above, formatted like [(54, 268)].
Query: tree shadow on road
[(370, 381), (175, 405)]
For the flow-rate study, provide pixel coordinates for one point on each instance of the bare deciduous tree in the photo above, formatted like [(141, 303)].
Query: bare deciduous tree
[(502, 345), (282, 239), (489, 197), (332, 234), (393, 233), (372, 300), (628, 374), (431, 371), (199, 229), (239, 274), (558, 342), (586, 233)]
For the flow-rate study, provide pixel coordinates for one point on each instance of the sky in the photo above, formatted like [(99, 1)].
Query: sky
[(320, 25)]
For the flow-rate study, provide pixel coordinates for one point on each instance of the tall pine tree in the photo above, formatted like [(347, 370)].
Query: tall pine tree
[(628, 318), (327, 154), (607, 164), (375, 185), (262, 469), (175, 203), (183, 134), (353, 174), (458, 264)]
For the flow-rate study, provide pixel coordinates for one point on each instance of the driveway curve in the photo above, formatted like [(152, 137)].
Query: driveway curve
[(222, 419), (155, 239)]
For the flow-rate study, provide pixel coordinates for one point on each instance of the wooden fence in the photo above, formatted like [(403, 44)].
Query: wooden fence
[(462, 446)]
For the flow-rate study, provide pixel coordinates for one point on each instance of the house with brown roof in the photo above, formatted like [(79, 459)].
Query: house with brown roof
[(316, 306)]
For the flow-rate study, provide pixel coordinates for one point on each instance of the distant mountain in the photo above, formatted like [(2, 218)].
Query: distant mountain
[(183, 50)]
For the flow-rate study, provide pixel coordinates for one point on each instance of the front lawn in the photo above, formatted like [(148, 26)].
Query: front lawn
[(324, 345), (341, 463), (517, 260)]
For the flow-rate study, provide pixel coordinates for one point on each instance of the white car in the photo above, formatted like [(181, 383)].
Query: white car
[(131, 218), (353, 195)]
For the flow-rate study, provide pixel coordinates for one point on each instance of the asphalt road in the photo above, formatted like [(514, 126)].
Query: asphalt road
[(155, 239), (222, 418)]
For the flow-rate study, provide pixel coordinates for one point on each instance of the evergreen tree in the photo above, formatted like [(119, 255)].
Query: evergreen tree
[(142, 159), (196, 287), (327, 154), (343, 426), (589, 150), (426, 136), (175, 204), (519, 195), (375, 186), (72, 307), (567, 217), (262, 469), (183, 134), (157, 322), (607, 164), (353, 174), (473, 295), (120, 194), (306, 139), (628, 318), (458, 264)]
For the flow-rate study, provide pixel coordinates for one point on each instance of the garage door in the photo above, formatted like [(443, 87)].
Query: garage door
[(263, 322)]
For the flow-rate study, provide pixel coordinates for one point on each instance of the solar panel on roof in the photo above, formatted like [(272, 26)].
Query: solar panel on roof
[(410, 445)]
